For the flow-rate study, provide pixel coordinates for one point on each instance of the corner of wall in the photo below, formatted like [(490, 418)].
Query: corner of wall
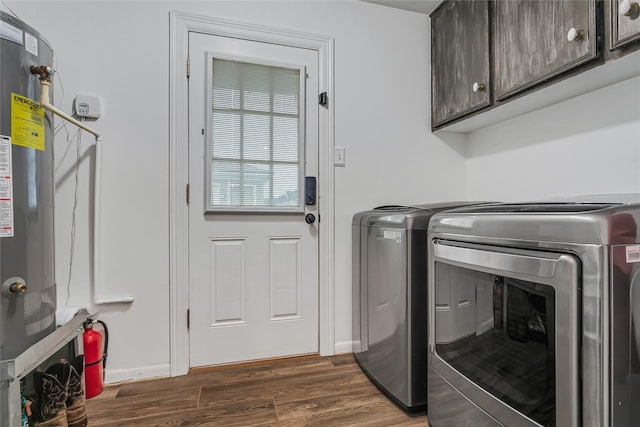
[(459, 142)]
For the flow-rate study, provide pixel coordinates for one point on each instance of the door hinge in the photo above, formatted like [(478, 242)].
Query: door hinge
[(188, 318), (323, 99), (188, 193), (188, 67)]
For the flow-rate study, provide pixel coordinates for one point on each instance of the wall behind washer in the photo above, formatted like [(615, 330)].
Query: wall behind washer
[(586, 145), (119, 50)]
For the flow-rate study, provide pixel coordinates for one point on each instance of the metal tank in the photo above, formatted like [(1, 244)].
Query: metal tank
[(28, 293)]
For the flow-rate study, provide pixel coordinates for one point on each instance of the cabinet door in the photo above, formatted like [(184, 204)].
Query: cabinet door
[(459, 59), (625, 22), (537, 40)]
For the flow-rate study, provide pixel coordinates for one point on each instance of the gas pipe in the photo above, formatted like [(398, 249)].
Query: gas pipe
[(95, 357)]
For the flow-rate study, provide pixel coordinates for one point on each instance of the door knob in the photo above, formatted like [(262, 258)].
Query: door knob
[(310, 218), (574, 34), (628, 8)]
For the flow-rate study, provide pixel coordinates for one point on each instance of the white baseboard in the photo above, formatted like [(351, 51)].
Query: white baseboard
[(344, 347), (113, 376), (119, 375)]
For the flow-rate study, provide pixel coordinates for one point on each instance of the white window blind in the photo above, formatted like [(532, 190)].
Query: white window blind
[(255, 147)]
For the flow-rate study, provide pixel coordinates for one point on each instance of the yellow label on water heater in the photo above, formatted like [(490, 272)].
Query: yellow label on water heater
[(27, 122)]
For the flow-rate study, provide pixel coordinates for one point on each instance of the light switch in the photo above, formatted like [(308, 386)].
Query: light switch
[(338, 156)]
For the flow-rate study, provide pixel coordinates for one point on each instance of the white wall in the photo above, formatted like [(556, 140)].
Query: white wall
[(120, 51), (586, 145)]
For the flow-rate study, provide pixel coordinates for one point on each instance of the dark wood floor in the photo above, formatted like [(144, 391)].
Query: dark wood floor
[(301, 391)]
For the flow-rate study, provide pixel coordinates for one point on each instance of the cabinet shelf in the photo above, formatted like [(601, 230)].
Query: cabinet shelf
[(14, 370)]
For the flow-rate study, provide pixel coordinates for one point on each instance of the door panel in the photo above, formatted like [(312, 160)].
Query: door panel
[(531, 41), (285, 268), (253, 276), (227, 285), (624, 28), (459, 59)]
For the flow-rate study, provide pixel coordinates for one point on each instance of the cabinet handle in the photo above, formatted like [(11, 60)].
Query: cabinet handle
[(478, 87), (627, 8), (574, 34)]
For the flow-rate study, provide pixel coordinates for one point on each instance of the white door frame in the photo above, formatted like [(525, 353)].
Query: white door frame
[(181, 23)]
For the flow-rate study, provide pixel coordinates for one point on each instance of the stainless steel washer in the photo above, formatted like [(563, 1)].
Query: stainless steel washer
[(390, 298)]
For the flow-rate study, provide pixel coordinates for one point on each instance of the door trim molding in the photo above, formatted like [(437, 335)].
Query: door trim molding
[(181, 23)]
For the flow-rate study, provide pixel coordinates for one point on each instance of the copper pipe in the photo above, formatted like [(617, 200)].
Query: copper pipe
[(18, 288), (45, 72)]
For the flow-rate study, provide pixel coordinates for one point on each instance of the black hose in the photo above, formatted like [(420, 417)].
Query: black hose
[(105, 346)]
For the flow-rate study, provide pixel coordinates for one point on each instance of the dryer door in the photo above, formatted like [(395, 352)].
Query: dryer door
[(505, 331)]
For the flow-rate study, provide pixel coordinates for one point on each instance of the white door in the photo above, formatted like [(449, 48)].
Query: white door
[(253, 259)]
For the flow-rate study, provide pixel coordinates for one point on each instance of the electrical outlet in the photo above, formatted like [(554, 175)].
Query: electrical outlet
[(338, 156)]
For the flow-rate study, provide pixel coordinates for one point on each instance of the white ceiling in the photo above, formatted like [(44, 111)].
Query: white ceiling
[(422, 6)]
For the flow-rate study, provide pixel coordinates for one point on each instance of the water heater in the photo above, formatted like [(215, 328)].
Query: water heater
[(28, 293)]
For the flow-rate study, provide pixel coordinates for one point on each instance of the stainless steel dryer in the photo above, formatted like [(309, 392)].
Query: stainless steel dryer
[(534, 314), (389, 298)]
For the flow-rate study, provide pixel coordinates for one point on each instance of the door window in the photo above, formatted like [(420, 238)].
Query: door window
[(255, 136)]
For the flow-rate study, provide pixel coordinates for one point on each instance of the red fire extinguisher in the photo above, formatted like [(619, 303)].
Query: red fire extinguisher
[(95, 357)]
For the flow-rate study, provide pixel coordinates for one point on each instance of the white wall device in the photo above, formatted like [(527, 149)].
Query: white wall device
[(88, 106)]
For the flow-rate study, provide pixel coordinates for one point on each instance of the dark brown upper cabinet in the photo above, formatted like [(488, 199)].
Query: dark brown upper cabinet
[(525, 53), (460, 77), (623, 21), (537, 40)]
